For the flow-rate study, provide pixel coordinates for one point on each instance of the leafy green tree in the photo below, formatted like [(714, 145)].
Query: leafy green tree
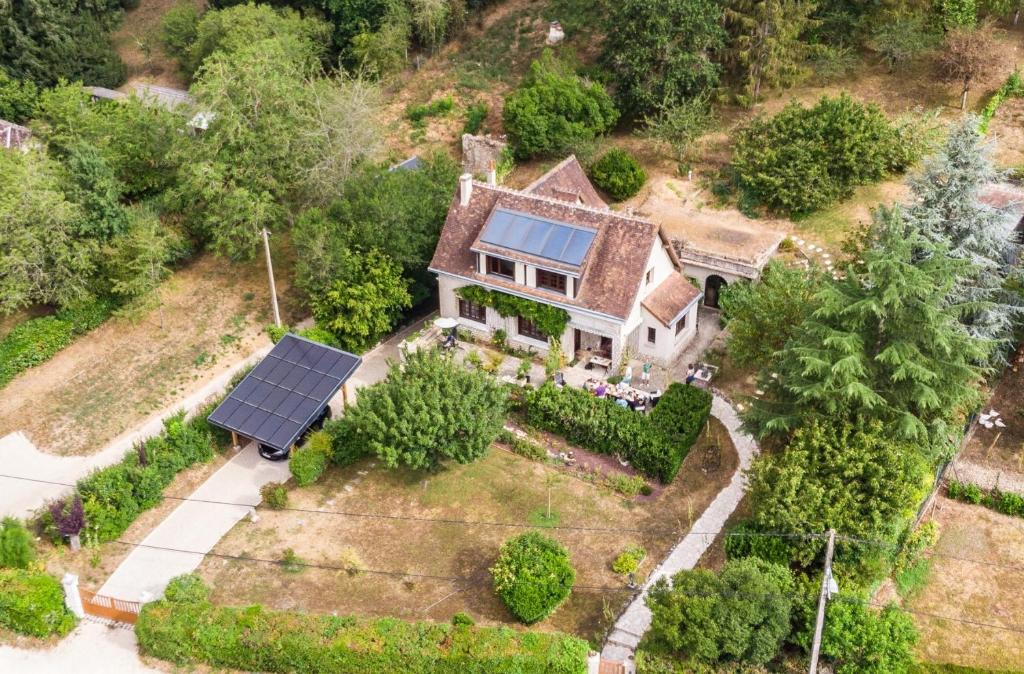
[(554, 109), (426, 412), (619, 174), (95, 187), (42, 260), (740, 613), (179, 28), (532, 576), (16, 551), (384, 51), (952, 14), (900, 38), (662, 52), (137, 261), (803, 159), (767, 45), (859, 640), (677, 126), (364, 301), (17, 99), (884, 342), (848, 475), (763, 316)]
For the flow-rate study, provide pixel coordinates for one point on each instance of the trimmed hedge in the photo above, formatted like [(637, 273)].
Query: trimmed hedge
[(619, 174), (654, 444), (259, 640), (532, 576), (37, 340), (33, 604), (1003, 502), (309, 461)]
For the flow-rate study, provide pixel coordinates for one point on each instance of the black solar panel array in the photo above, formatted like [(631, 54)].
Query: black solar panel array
[(285, 393)]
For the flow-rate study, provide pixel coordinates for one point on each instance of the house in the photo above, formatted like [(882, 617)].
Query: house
[(558, 244), (14, 136)]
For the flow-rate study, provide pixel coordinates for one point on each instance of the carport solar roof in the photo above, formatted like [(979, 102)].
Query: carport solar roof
[(285, 393)]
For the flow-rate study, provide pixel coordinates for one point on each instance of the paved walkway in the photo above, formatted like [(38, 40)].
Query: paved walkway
[(92, 648), (630, 627), (987, 477)]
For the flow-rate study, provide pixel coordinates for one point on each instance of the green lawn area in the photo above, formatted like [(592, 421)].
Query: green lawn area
[(833, 225)]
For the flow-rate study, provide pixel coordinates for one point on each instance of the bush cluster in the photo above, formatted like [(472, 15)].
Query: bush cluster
[(1004, 502), (255, 639), (275, 495), (803, 159), (532, 576), (114, 496), (33, 604), (655, 444), (629, 560), (522, 446), (619, 174), (16, 550), (38, 339), (309, 461)]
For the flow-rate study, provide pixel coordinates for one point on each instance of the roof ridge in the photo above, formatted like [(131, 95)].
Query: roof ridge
[(566, 204), (551, 171)]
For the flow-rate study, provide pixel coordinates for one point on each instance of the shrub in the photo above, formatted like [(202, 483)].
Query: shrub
[(680, 416), (16, 551), (915, 543), (532, 576), (33, 604), (860, 641), (629, 560), (619, 174), (803, 159), (461, 619), (417, 113), (179, 27), (523, 446), (256, 639), (291, 562), (627, 485), (187, 589), (309, 461), (476, 115), (554, 109), (1007, 503), (275, 495), (346, 445)]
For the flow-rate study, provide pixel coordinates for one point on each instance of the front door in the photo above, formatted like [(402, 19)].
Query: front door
[(606, 347)]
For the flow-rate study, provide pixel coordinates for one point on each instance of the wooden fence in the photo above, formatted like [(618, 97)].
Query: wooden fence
[(108, 607)]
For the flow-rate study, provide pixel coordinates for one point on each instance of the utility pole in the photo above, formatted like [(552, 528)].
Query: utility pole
[(270, 274), (826, 582)]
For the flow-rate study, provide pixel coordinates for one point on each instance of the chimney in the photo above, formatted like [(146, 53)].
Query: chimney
[(465, 188), (492, 174)]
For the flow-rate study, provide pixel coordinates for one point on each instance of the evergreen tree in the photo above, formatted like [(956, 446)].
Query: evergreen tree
[(884, 343), (947, 209), (16, 551), (768, 48)]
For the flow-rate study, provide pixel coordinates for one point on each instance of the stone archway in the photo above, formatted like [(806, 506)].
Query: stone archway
[(712, 290)]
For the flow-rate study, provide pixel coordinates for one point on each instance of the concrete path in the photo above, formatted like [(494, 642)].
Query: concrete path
[(193, 528), (630, 627), (20, 458), (92, 648), (987, 477)]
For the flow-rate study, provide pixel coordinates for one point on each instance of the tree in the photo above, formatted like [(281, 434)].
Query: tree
[(955, 14), (179, 28), (884, 343), (741, 613), (766, 45), (900, 38), (763, 316), (426, 412), (384, 51), (947, 208), (532, 576), (364, 301), (431, 18), (861, 641), (16, 551), (661, 53), (554, 109), (850, 475), (17, 99), (619, 174), (137, 261), (966, 54), (95, 187), (677, 126)]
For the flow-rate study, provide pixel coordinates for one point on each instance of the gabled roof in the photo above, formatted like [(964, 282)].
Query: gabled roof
[(610, 273), (411, 164), (567, 181), (108, 94), (672, 296), (164, 96), (278, 400), (13, 136)]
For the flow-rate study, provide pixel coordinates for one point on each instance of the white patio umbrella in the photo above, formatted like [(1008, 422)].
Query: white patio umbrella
[(446, 323)]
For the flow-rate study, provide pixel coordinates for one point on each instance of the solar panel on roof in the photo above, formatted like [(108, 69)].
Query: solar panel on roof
[(278, 400), (538, 236)]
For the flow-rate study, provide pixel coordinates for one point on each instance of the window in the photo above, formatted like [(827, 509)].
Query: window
[(647, 278), (652, 335), (528, 329), (549, 280), (681, 324), (472, 311), (499, 267)]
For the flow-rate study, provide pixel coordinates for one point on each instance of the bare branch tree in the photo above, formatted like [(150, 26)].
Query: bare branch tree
[(967, 53)]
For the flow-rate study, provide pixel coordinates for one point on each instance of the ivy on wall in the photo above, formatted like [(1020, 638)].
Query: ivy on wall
[(549, 320)]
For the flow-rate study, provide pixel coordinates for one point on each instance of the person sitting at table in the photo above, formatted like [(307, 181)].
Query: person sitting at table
[(622, 402), (627, 376), (691, 374), (601, 390), (559, 380), (449, 340)]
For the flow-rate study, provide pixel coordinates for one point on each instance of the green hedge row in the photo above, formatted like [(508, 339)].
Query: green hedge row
[(113, 497), (1004, 502), (259, 640), (654, 444), (1012, 87), (33, 604), (38, 339)]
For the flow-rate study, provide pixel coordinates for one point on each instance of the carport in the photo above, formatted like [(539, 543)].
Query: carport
[(282, 396)]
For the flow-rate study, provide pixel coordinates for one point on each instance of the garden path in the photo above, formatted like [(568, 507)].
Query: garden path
[(631, 625), (92, 648)]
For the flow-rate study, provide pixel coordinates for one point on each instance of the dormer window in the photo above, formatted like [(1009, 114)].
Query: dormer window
[(497, 266), (549, 280)]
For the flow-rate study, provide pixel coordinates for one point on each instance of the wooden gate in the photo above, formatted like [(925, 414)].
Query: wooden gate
[(608, 667), (107, 607)]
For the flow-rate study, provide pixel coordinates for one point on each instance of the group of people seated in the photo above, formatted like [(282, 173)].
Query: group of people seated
[(623, 394)]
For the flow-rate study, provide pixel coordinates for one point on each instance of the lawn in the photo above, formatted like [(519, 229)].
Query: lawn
[(500, 488), (113, 378), (1002, 448)]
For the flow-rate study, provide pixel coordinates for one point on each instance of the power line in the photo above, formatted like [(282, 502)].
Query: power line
[(966, 621)]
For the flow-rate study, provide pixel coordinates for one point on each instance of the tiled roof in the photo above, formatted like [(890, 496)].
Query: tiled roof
[(610, 275), (567, 182), (13, 136), (670, 298)]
